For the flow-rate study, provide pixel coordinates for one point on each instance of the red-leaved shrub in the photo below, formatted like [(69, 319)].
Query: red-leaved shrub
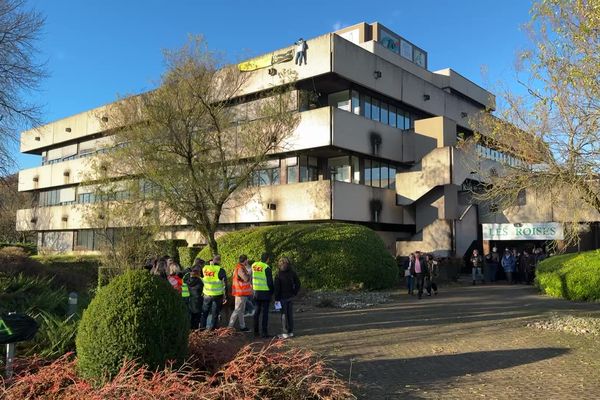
[(258, 371)]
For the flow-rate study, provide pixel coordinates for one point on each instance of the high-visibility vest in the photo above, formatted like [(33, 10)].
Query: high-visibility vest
[(240, 288), (259, 276), (185, 289), (213, 286)]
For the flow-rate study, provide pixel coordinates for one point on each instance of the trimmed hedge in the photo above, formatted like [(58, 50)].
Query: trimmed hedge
[(187, 255), (29, 248), (330, 255), (137, 316), (170, 247), (571, 276)]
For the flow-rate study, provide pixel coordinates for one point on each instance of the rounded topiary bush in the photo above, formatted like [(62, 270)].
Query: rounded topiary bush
[(573, 276), (137, 316), (330, 255)]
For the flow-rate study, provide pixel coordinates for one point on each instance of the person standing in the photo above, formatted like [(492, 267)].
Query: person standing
[(408, 274), (174, 278), (432, 274), (194, 288), (287, 286), (301, 47), (241, 288), (419, 270), (214, 280), (477, 262), (262, 285), (508, 264), (492, 259)]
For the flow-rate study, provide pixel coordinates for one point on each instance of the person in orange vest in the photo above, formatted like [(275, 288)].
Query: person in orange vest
[(241, 288), (214, 279)]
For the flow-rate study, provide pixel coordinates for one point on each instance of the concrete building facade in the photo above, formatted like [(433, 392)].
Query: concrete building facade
[(376, 145)]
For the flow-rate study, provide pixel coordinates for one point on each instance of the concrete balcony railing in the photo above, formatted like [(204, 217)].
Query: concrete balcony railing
[(52, 175)]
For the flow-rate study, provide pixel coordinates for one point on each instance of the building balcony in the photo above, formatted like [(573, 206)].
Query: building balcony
[(53, 175), (307, 201)]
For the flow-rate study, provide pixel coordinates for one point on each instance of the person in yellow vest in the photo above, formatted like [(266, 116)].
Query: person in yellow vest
[(214, 279), (262, 285), (241, 288)]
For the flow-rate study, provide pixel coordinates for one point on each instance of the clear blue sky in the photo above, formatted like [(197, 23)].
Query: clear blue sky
[(96, 49)]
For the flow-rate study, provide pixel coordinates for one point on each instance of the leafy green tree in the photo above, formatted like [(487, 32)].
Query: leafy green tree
[(553, 125)]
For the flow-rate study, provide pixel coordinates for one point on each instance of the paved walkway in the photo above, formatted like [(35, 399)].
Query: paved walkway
[(466, 343)]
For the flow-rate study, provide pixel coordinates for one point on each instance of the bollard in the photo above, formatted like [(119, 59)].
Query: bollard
[(10, 355), (73, 297)]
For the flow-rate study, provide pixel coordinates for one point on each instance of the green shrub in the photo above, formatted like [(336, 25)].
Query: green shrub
[(169, 247), (28, 248), (137, 316), (55, 337), (330, 255), (187, 255), (31, 294), (571, 276)]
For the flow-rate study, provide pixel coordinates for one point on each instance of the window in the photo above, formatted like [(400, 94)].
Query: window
[(392, 116), (292, 170), (355, 170), (392, 184), (340, 100), (384, 172), (355, 102), (375, 109), (340, 168), (367, 107), (85, 239), (308, 169), (375, 174), (367, 172), (384, 113)]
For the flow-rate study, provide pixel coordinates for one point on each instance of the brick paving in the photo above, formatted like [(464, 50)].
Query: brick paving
[(466, 343)]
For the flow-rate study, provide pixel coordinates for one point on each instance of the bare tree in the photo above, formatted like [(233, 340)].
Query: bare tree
[(10, 201), (550, 135), (19, 72), (194, 142)]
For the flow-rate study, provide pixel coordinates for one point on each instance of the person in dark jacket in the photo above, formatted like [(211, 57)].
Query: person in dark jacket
[(262, 286), (287, 286), (419, 271), (477, 263), (195, 287)]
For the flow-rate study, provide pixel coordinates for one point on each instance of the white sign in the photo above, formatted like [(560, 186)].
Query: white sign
[(531, 231)]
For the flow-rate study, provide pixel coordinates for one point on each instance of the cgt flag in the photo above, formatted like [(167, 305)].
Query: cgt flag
[(17, 328)]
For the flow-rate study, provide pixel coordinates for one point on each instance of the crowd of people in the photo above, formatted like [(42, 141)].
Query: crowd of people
[(518, 267), (204, 290)]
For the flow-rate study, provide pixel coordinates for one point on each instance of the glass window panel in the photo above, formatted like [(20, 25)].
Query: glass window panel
[(384, 113), (384, 174), (355, 170), (367, 173), (375, 110), (274, 176), (291, 161), (340, 100), (392, 184), (375, 175), (400, 123), (292, 174), (368, 107), (355, 102), (340, 168), (392, 116)]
